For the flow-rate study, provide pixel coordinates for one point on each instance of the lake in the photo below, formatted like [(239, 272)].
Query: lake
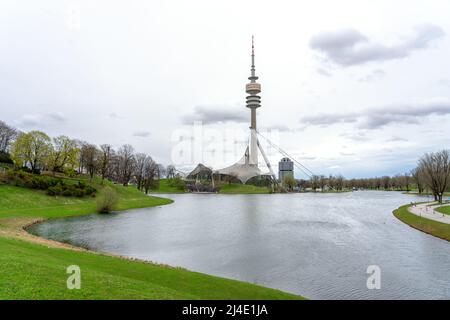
[(316, 245)]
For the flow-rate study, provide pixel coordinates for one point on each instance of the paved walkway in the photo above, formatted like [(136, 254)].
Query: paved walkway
[(427, 210)]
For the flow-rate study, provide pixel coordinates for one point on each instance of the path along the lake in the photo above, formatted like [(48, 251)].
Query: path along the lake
[(427, 210)]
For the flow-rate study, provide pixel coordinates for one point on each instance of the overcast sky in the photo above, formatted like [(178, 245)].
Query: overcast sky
[(360, 88)]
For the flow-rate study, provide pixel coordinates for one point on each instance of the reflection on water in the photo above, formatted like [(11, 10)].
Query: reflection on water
[(317, 245)]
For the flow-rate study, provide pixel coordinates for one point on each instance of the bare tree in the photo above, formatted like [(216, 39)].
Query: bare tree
[(332, 182), (151, 172), (386, 182), (398, 182), (81, 161), (161, 171), (314, 182), (339, 181), (7, 135), (105, 161), (436, 166), (90, 155), (170, 171), (126, 163), (141, 162), (418, 178), (407, 180), (322, 182)]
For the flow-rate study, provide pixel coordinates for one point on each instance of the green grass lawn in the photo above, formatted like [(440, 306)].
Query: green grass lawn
[(242, 188), (22, 202), (165, 187), (445, 210), (435, 228), (35, 271), (31, 271)]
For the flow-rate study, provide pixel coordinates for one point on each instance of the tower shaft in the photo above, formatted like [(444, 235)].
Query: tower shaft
[(253, 118), (253, 102)]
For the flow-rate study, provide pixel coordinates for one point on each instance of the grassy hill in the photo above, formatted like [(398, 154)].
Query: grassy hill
[(23, 202), (38, 271), (166, 186)]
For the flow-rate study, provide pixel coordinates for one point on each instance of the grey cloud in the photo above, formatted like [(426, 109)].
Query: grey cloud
[(36, 120), (29, 121), (408, 113), (216, 114), (114, 115), (379, 117), (349, 47), (142, 134), (323, 72), (396, 139), (329, 119), (57, 116)]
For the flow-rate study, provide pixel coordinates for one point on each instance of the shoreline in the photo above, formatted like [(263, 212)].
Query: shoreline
[(16, 229), (431, 227)]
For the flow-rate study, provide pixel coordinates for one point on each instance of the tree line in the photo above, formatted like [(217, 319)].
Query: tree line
[(37, 152), (432, 174)]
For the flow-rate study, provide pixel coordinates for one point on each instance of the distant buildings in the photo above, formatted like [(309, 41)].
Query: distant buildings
[(285, 168)]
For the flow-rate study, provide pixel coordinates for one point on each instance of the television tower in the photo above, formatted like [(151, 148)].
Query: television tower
[(253, 102), (247, 167)]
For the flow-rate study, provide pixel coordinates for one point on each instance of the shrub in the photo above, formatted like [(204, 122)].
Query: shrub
[(53, 186), (55, 190), (177, 183), (43, 182), (78, 193), (18, 178), (90, 190), (107, 201), (67, 192)]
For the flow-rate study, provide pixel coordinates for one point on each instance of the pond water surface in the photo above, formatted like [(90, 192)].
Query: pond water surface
[(316, 245)]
